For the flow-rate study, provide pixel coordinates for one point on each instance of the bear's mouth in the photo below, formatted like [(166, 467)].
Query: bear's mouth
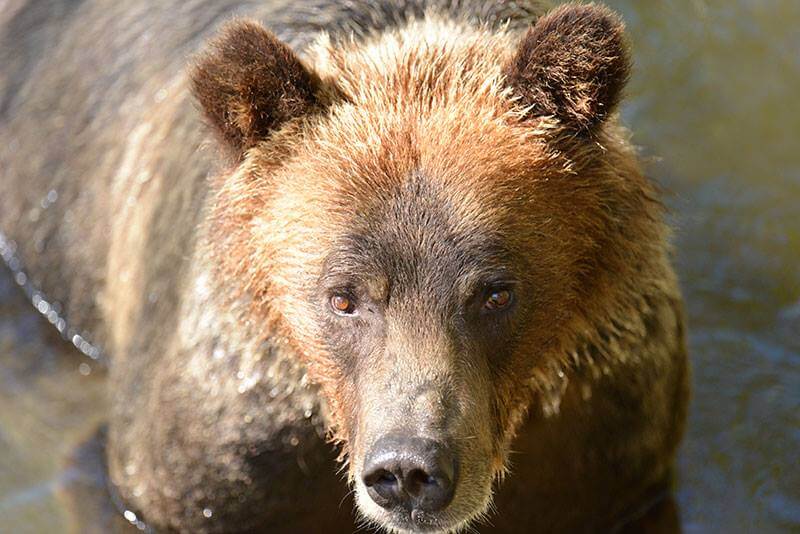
[(419, 521)]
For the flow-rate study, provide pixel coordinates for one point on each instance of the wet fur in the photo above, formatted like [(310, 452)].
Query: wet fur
[(453, 103)]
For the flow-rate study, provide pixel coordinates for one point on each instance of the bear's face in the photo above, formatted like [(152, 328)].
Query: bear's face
[(409, 219)]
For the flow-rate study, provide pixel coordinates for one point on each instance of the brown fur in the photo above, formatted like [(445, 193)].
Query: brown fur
[(585, 191), (439, 99), (409, 164)]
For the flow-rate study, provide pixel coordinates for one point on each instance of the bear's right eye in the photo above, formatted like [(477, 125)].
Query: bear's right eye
[(343, 305)]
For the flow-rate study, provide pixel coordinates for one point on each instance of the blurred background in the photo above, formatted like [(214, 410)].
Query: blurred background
[(714, 106)]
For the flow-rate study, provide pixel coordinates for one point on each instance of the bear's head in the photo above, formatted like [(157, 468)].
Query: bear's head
[(433, 219)]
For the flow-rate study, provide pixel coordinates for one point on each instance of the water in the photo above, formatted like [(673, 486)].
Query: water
[(713, 102), (51, 397), (713, 98)]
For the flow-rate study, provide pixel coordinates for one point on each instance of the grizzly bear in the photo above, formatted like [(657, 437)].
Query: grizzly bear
[(416, 239)]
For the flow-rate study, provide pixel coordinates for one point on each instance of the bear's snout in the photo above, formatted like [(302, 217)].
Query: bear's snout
[(413, 473)]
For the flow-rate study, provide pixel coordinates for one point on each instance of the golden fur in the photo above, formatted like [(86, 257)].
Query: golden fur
[(525, 147)]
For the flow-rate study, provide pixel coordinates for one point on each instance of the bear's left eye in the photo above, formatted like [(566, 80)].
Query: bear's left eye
[(498, 299), (343, 305)]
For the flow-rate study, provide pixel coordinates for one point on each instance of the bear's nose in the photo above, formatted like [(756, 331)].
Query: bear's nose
[(412, 472)]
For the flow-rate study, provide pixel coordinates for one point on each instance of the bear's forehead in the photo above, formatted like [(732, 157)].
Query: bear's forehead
[(416, 237), (480, 168), (431, 195), (425, 100), (431, 62)]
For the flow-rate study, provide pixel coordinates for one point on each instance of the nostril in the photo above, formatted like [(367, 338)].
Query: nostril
[(417, 479), (430, 491), (387, 478), (383, 487), (379, 476)]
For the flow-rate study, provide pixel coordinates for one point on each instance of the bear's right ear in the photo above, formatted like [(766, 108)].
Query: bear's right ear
[(248, 83)]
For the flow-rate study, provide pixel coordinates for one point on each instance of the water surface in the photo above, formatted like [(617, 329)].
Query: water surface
[(713, 104)]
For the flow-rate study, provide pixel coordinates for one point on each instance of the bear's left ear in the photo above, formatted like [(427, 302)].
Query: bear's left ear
[(248, 83), (572, 65)]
